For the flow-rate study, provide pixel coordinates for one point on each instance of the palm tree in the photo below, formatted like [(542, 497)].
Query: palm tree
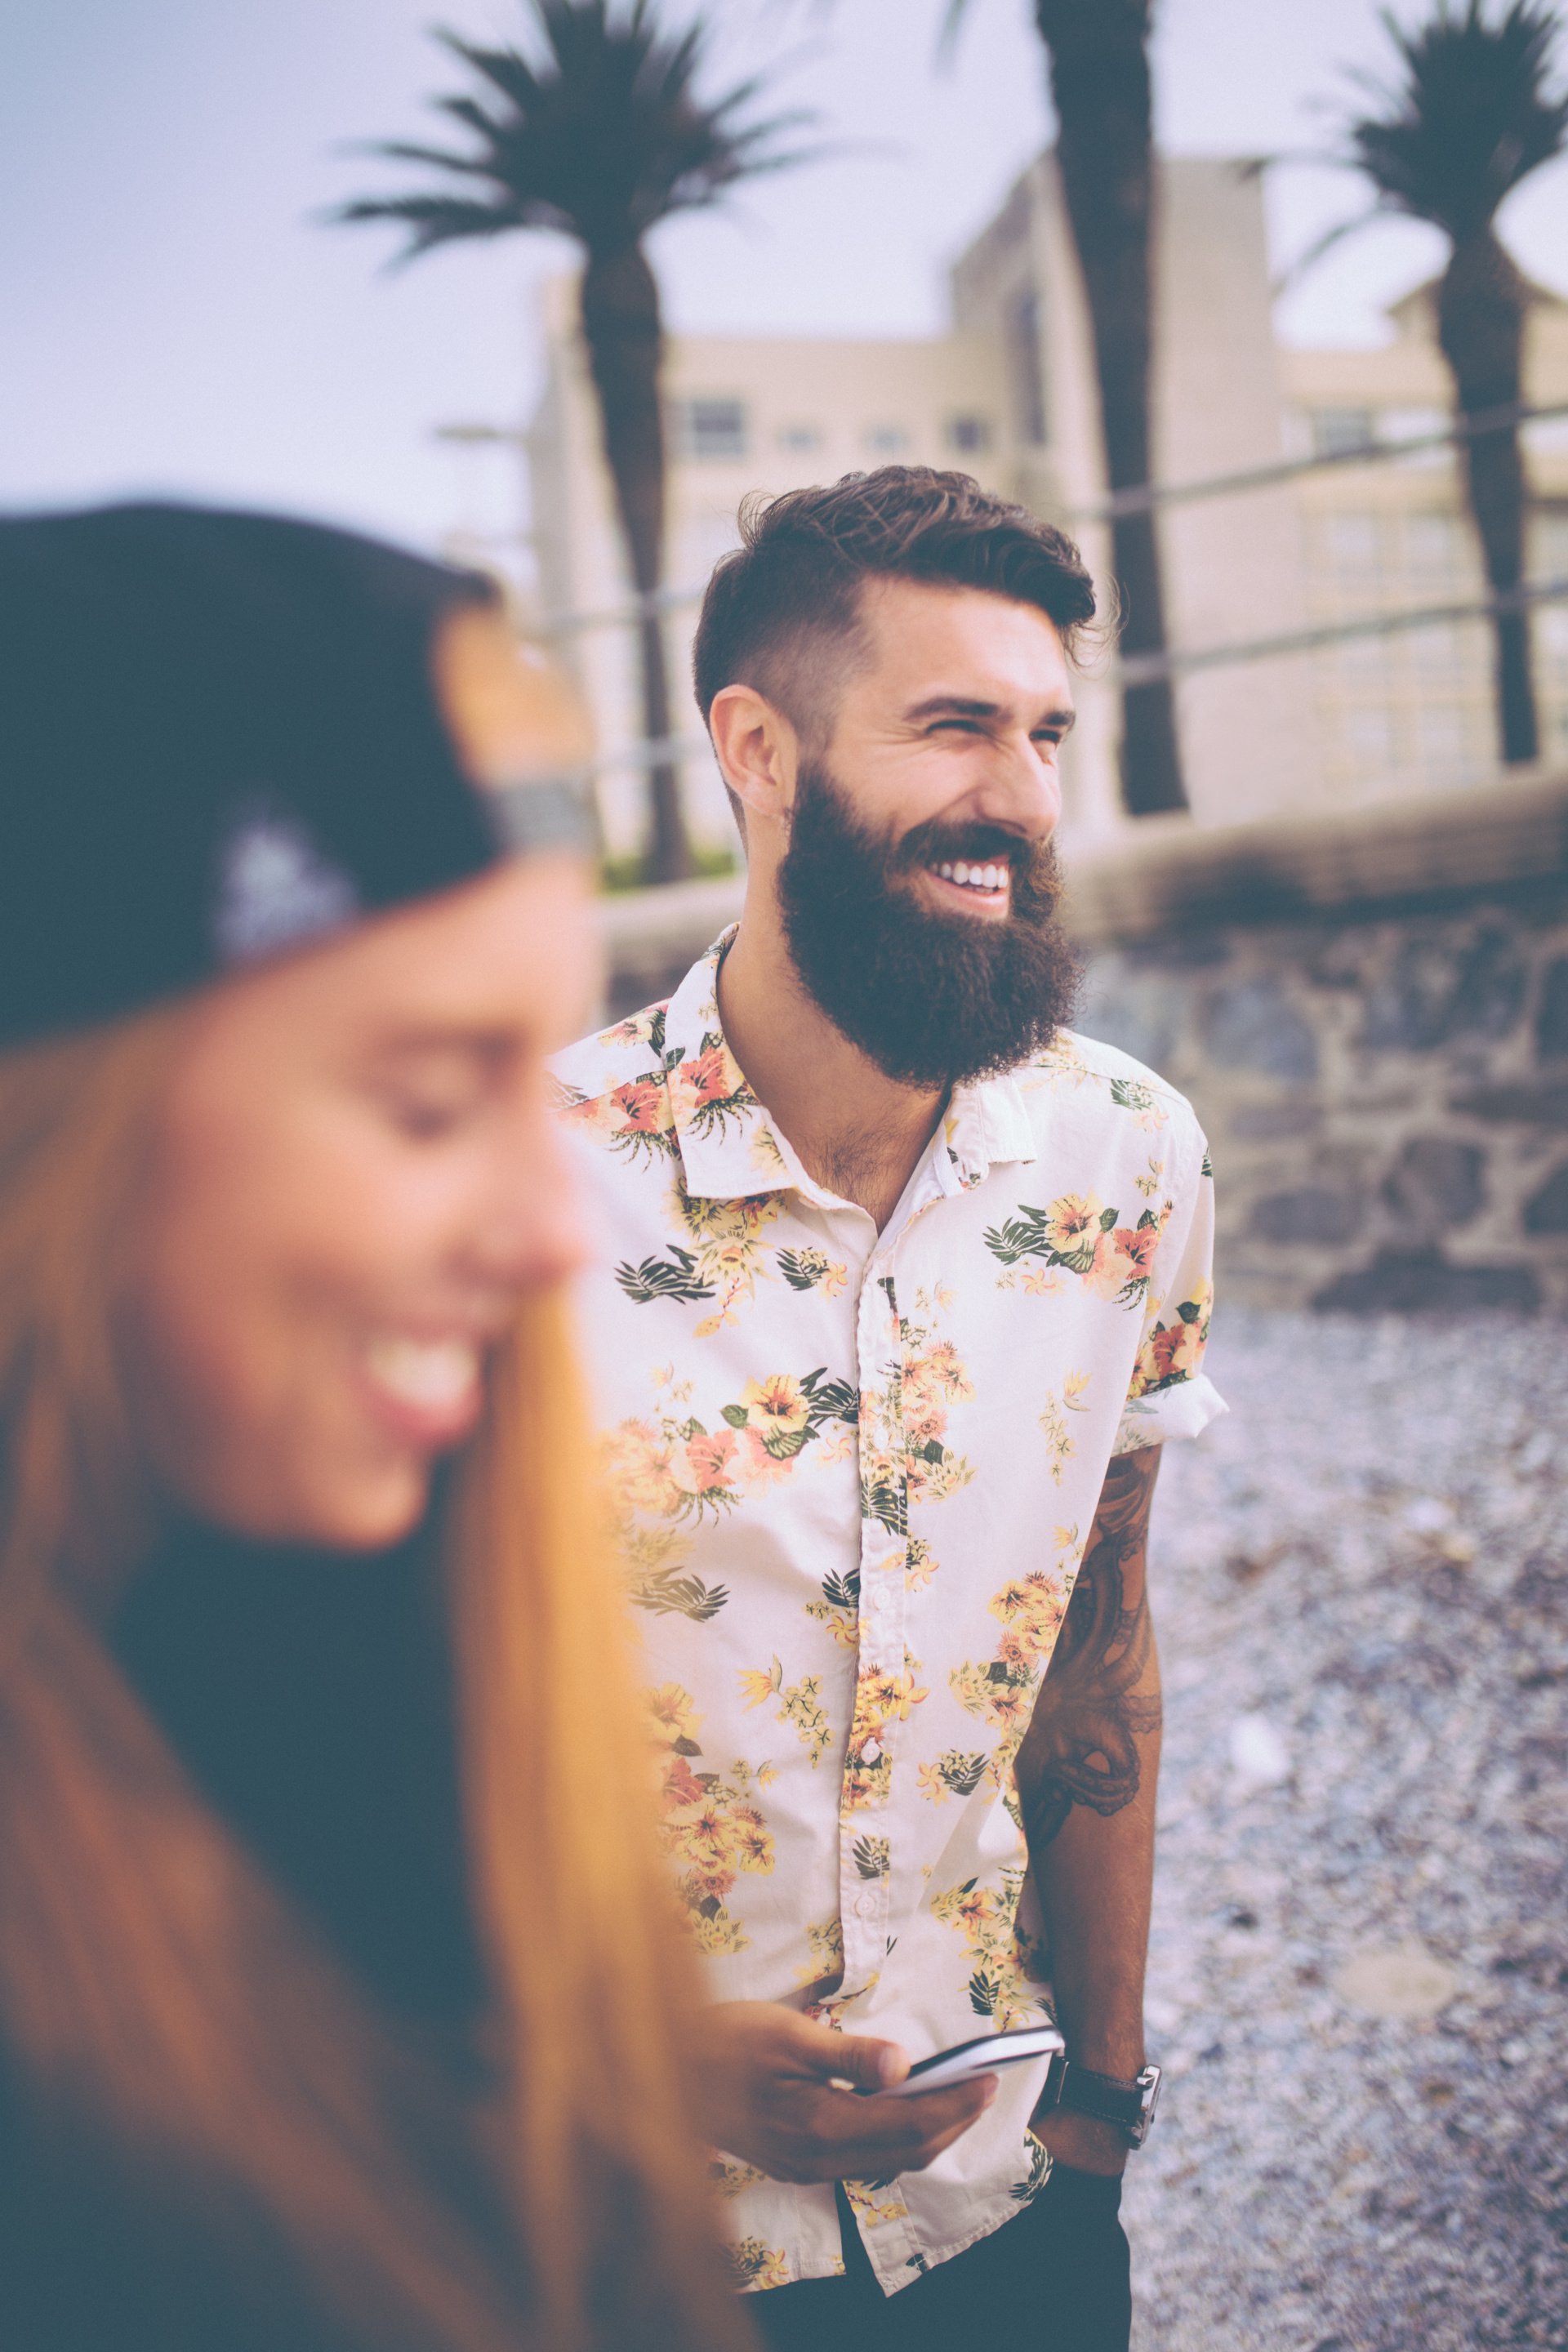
[(1101, 90), (1468, 118), (600, 135)]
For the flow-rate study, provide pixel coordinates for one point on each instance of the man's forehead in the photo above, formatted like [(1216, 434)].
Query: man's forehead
[(976, 644)]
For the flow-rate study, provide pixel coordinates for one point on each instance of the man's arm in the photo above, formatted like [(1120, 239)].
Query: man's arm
[(1087, 1771)]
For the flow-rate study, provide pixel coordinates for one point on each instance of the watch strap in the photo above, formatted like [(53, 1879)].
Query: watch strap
[(1109, 2098)]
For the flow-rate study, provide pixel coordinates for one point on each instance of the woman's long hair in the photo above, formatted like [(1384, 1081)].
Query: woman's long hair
[(158, 1994)]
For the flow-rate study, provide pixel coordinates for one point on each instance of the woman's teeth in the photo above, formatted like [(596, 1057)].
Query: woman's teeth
[(433, 1374), (974, 878)]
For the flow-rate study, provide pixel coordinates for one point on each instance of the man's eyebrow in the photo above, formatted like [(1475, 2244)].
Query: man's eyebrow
[(962, 706)]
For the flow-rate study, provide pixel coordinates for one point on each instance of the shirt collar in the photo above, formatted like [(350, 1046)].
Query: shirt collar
[(728, 1150), (987, 1125)]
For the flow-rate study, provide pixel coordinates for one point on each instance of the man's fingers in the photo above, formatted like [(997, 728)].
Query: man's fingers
[(893, 2127), (904, 2136), (870, 2066)]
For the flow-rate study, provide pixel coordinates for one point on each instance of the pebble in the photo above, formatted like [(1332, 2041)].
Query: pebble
[(1402, 1981), (1359, 1970), (1258, 1755)]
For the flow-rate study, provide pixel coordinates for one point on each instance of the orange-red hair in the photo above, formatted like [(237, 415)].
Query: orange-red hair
[(159, 1993)]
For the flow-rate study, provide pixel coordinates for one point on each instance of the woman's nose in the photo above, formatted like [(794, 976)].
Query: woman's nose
[(535, 1233)]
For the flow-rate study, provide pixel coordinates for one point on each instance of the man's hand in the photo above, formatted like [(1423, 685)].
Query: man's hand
[(766, 2091)]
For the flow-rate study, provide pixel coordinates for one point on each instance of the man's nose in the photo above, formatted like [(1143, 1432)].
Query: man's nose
[(1021, 788)]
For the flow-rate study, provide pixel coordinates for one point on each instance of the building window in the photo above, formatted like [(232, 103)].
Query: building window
[(1444, 741), (1435, 650), (968, 436), (1026, 367), (1434, 549), (800, 439), (706, 426), (885, 440), (1417, 424), (1363, 661), (1549, 533), (1369, 735), (1336, 432), (1352, 544)]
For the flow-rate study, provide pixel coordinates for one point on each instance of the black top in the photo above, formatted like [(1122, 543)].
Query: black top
[(309, 1696)]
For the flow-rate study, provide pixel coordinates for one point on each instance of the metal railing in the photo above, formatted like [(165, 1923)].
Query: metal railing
[(1143, 670), (1146, 496)]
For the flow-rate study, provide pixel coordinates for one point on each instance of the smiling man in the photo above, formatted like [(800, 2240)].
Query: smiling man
[(911, 1284)]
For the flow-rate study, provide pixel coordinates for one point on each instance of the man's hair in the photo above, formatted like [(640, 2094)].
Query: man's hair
[(784, 608)]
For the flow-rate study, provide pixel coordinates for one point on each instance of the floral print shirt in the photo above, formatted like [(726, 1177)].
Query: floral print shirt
[(853, 1474)]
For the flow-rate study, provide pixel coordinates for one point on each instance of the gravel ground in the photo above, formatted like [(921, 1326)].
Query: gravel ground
[(1359, 1981)]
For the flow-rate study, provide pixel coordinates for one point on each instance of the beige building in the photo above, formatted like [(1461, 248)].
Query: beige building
[(744, 415), (1009, 397), (1413, 710)]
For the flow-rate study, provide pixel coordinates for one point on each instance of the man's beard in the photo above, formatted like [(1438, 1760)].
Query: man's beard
[(934, 998)]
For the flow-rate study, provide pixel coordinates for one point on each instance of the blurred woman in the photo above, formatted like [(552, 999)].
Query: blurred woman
[(337, 1997)]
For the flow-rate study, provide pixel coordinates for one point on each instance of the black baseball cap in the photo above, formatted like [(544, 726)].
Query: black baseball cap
[(219, 738)]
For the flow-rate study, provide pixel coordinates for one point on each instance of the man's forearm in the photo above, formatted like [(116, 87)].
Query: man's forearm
[(1086, 1775), (1095, 1879)]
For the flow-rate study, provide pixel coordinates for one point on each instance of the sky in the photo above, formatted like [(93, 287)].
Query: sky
[(176, 316)]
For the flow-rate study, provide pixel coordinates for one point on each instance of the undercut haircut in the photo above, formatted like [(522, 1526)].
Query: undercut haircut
[(782, 611)]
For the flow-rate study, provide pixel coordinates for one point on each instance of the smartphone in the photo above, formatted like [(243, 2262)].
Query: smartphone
[(987, 2054)]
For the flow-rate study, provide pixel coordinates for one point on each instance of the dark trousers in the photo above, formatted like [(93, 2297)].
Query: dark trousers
[(1053, 2280)]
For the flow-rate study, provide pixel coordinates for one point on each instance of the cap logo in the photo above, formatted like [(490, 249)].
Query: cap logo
[(276, 888)]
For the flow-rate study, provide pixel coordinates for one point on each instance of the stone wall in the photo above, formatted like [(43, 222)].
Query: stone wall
[(1377, 1047), (1370, 1012)]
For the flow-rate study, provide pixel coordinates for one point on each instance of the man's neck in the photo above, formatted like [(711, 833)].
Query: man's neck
[(857, 1132)]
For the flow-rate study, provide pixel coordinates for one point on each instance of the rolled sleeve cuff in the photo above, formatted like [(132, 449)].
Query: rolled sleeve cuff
[(1184, 1410)]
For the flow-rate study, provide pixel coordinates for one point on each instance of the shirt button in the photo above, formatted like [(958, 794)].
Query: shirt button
[(881, 1601), (866, 1907)]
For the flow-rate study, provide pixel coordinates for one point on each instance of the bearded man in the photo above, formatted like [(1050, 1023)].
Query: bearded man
[(912, 1285)]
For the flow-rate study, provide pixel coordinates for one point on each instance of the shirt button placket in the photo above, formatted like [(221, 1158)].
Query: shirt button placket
[(863, 1904)]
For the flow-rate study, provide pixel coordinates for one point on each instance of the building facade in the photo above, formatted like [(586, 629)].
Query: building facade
[(1009, 396)]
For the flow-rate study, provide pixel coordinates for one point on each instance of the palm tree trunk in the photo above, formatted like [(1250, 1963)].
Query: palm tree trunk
[(625, 337), (1100, 83), (1481, 307)]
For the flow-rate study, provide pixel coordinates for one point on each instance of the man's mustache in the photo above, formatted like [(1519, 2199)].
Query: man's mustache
[(987, 845), (936, 843)]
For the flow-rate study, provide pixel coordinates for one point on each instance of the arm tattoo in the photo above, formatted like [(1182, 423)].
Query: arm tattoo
[(1081, 1746)]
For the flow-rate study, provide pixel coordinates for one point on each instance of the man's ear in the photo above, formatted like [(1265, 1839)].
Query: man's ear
[(758, 752)]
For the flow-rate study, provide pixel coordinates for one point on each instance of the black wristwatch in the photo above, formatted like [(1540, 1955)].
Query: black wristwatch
[(1108, 2098)]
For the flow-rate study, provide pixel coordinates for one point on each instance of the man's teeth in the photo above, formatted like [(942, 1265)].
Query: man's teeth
[(973, 877), (431, 1373)]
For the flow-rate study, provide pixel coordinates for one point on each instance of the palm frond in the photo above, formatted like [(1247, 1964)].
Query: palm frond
[(952, 25), (1468, 116), (1294, 271), (595, 126), (434, 220)]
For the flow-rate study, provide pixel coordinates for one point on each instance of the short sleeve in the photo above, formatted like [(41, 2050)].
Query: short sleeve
[(1170, 1395)]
